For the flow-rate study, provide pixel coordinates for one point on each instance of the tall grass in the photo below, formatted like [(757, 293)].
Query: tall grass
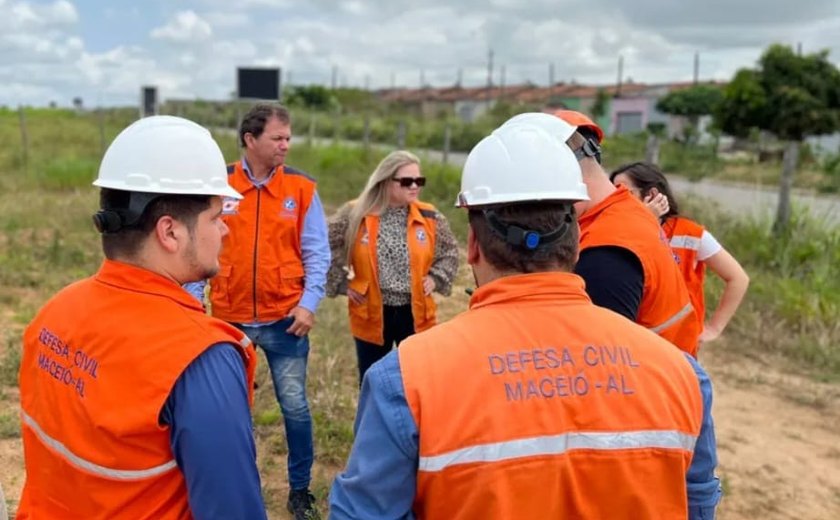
[(793, 303)]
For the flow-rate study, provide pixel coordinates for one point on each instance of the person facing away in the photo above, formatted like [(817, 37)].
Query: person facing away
[(693, 245), (273, 270), (534, 403), (398, 250), (134, 403), (624, 257)]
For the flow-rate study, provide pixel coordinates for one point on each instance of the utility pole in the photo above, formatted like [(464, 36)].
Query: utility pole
[(502, 81), (696, 67), (620, 75), (799, 48), (489, 69)]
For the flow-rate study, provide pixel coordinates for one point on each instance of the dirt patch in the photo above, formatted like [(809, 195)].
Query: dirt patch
[(778, 440)]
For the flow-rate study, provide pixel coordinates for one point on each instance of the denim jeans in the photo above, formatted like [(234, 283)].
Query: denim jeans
[(287, 357)]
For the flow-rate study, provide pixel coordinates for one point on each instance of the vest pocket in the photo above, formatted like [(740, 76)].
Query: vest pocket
[(361, 287), (220, 285), (291, 278)]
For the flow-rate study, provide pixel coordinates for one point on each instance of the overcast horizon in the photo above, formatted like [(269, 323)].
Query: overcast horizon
[(104, 51)]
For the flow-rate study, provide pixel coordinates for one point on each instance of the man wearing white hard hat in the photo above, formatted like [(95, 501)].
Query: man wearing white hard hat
[(534, 403), (135, 404)]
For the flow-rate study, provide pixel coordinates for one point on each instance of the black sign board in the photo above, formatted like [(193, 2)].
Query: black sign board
[(258, 83), (148, 101)]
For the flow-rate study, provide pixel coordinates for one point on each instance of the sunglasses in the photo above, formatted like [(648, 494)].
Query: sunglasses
[(406, 182)]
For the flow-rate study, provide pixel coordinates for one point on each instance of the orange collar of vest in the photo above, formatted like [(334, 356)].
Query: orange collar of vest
[(240, 182), (619, 195), (552, 286), (137, 279)]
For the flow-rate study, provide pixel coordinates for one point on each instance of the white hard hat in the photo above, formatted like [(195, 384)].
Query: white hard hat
[(165, 154), (521, 161), (548, 122)]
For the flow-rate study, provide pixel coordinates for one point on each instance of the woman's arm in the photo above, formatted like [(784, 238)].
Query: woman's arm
[(736, 282), (337, 274), (445, 264)]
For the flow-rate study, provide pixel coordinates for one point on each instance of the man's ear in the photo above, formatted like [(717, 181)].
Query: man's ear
[(169, 233), (473, 251), (249, 140)]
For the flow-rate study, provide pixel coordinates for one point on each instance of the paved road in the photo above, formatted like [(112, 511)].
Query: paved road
[(741, 199)]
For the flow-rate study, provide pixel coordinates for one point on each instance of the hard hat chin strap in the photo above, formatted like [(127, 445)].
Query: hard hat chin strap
[(112, 220), (518, 236)]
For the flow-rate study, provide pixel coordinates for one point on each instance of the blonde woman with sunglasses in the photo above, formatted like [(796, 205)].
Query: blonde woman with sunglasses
[(390, 251)]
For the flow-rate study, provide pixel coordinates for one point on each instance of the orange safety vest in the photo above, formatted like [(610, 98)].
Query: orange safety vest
[(684, 236), (99, 362), (366, 319), (261, 270), (537, 404), (621, 220)]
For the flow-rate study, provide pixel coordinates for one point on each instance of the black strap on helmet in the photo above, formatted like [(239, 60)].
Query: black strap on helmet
[(590, 148), (520, 237), (112, 220)]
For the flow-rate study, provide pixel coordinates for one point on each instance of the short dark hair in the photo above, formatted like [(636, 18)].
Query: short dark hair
[(127, 241), (646, 176), (254, 121), (543, 217)]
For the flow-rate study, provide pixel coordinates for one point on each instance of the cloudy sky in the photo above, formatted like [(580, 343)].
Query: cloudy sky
[(104, 50)]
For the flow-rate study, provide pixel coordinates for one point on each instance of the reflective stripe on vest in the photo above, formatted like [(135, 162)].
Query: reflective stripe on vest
[(102, 471), (558, 445), (685, 242), (673, 319)]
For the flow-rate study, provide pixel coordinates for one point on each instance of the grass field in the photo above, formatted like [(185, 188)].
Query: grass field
[(47, 241)]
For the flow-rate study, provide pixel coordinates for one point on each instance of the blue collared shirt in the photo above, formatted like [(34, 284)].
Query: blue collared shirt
[(381, 476), (212, 436), (314, 248)]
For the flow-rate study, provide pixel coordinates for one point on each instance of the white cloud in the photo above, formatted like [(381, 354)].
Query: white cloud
[(184, 27), (192, 48)]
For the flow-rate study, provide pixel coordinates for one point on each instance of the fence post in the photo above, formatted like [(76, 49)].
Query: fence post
[(24, 138), (366, 134), (336, 127), (311, 136), (447, 137), (401, 135), (101, 121)]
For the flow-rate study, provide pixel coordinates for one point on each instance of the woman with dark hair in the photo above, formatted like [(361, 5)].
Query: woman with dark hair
[(694, 247)]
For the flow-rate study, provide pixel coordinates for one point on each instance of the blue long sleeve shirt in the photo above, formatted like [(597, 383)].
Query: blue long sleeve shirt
[(314, 248), (212, 436), (381, 475)]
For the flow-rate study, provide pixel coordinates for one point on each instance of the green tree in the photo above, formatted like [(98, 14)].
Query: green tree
[(600, 105), (789, 95), (692, 102), (314, 97)]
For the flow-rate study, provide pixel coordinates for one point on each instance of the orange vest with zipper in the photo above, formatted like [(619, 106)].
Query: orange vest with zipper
[(261, 269), (366, 319), (684, 236), (535, 403), (99, 362), (621, 220)]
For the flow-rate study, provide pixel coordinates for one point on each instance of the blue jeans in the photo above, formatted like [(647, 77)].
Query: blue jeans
[(287, 356)]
